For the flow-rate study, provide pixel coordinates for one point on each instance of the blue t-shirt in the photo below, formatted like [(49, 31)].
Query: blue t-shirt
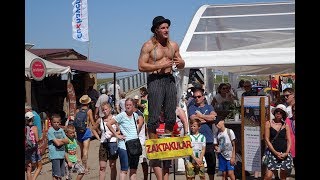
[(205, 128), (127, 127), (56, 152), (37, 122)]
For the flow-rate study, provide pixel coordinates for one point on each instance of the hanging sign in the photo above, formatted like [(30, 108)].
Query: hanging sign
[(38, 69)]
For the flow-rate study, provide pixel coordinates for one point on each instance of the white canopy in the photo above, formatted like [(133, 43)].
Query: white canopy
[(51, 68), (242, 38)]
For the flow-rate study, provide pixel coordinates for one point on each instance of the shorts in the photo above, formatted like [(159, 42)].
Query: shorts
[(157, 163), (76, 168), (58, 167), (143, 156), (224, 164), (33, 156), (126, 162), (193, 169), (84, 136), (104, 153)]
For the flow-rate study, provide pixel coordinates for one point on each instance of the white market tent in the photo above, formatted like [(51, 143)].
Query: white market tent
[(51, 68), (242, 39)]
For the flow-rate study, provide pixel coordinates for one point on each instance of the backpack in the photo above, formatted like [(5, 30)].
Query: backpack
[(29, 144), (80, 121)]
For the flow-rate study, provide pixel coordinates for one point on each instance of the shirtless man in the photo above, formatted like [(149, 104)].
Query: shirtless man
[(160, 57)]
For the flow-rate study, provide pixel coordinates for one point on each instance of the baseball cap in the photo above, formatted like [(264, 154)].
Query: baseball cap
[(29, 115)]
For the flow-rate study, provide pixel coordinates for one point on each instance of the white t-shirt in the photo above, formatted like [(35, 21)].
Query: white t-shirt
[(221, 99), (225, 144), (111, 90), (239, 92), (106, 133), (122, 105), (289, 111), (142, 134), (101, 99)]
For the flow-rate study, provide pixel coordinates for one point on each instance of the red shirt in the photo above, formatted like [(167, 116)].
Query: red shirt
[(274, 83)]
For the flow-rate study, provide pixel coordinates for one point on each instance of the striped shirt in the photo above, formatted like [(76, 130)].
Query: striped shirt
[(127, 127)]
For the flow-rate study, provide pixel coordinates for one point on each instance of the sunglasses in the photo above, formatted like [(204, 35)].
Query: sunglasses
[(286, 95), (197, 97)]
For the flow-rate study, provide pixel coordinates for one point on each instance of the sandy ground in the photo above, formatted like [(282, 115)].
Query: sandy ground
[(94, 168)]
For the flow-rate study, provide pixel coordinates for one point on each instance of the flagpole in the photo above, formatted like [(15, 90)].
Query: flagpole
[(88, 50)]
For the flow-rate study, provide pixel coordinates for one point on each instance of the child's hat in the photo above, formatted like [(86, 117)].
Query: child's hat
[(28, 115)]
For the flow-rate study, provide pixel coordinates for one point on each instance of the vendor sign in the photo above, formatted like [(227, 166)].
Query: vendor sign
[(169, 148), (38, 69)]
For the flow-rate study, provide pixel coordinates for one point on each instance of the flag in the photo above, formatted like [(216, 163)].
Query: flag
[(80, 20)]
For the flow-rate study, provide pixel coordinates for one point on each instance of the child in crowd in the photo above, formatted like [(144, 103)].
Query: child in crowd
[(71, 156), (32, 152), (56, 141), (225, 147), (194, 164)]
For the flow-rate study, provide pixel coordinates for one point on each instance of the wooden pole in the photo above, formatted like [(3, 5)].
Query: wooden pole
[(28, 90), (242, 138), (265, 116), (114, 90)]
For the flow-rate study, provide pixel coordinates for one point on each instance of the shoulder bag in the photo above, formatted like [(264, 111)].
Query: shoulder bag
[(133, 146), (112, 146)]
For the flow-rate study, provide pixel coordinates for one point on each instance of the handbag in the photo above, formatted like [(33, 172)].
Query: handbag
[(133, 146), (111, 146), (265, 157)]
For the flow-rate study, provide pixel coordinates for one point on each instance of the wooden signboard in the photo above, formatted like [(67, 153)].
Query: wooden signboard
[(254, 112), (169, 148)]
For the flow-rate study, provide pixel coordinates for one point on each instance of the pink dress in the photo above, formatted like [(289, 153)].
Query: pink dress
[(292, 136)]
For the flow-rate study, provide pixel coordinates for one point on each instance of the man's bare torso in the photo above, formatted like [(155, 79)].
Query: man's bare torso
[(158, 54)]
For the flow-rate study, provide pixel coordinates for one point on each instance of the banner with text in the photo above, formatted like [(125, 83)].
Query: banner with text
[(80, 20), (169, 148)]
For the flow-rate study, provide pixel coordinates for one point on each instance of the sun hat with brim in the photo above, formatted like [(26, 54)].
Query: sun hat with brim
[(282, 107), (85, 99), (158, 21), (136, 97)]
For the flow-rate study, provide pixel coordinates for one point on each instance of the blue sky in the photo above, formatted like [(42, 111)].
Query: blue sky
[(117, 29)]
